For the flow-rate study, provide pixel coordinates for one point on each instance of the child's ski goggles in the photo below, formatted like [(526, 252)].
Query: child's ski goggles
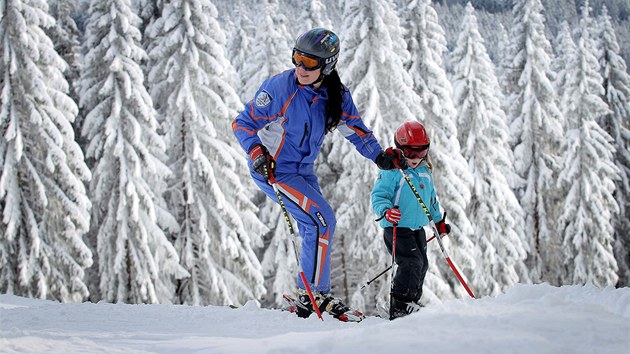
[(415, 152), (308, 62)]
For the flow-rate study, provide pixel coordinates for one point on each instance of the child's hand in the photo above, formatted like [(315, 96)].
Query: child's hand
[(393, 215), (442, 226)]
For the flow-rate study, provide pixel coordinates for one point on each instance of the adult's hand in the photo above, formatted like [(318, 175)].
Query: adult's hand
[(391, 159), (263, 162)]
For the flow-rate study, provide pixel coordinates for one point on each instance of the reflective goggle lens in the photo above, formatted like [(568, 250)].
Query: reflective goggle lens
[(415, 152), (308, 63)]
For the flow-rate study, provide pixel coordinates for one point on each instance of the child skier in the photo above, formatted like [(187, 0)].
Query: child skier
[(401, 213)]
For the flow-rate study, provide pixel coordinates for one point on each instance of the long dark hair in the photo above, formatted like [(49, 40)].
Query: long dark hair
[(334, 103)]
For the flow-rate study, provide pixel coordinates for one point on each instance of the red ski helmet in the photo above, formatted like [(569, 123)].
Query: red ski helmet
[(412, 138)]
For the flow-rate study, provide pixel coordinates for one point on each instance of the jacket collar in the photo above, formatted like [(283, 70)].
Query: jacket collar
[(321, 91)]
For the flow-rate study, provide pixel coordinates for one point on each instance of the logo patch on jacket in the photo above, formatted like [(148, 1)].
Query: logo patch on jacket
[(321, 219), (263, 99)]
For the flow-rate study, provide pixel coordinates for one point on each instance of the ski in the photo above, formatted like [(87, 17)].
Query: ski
[(341, 312), (332, 306)]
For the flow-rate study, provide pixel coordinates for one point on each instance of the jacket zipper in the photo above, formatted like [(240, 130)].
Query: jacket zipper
[(305, 133)]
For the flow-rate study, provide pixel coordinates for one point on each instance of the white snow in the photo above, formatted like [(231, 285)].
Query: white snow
[(526, 319)]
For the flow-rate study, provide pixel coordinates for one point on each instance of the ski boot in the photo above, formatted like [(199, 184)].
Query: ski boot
[(399, 308), (300, 303), (338, 309)]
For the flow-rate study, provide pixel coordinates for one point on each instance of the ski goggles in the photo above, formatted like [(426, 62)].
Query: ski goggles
[(415, 152), (308, 62)]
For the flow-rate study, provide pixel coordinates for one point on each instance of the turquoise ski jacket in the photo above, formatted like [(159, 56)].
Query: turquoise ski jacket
[(391, 189)]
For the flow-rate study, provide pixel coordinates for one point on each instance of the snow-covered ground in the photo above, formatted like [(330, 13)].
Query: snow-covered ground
[(526, 319)]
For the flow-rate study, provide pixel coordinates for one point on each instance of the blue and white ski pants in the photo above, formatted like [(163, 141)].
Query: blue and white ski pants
[(315, 219)]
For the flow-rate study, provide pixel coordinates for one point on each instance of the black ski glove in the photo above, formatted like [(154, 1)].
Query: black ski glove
[(263, 163), (391, 159)]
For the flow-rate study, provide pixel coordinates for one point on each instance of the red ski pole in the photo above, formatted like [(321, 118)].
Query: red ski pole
[(307, 285), (394, 245), (448, 260), (437, 234), (391, 288), (394, 254)]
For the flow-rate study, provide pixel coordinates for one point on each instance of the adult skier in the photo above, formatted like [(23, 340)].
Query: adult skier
[(282, 129)]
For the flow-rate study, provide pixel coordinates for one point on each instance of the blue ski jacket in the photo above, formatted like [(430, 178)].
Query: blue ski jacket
[(289, 120), (391, 189)]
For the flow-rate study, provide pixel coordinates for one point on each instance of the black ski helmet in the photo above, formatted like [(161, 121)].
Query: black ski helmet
[(322, 44)]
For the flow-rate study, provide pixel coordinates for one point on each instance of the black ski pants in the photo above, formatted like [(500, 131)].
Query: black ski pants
[(411, 261)]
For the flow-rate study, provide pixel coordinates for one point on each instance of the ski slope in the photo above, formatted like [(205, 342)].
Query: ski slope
[(526, 319)]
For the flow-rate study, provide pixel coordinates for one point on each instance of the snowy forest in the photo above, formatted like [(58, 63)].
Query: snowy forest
[(121, 180)]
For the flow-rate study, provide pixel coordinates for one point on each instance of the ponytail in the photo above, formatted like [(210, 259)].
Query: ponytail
[(335, 89)]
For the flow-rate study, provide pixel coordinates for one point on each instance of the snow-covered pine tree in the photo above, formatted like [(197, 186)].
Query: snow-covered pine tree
[(617, 95), (228, 10), (239, 43), (503, 71), (535, 125), (313, 14), (136, 261), (372, 54), (279, 261), (65, 36), (335, 12), (588, 172), (426, 43), (218, 224), (44, 204), (148, 11), (564, 49), (499, 219), (270, 53), (564, 53)]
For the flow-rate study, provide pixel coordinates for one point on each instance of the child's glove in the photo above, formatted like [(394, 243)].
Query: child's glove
[(393, 215), (442, 226)]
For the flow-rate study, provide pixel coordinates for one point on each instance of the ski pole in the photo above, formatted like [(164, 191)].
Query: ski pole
[(394, 253), (394, 244), (376, 277), (388, 268), (307, 285), (391, 288), (436, 233)]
